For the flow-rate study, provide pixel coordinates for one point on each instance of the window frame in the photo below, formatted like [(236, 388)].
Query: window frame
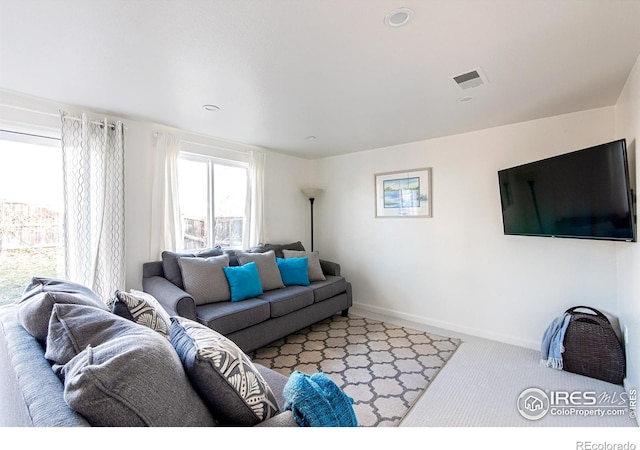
[(211, 162)]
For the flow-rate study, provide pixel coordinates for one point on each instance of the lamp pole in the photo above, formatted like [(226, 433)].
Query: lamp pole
[(311, 194), (311, 199)]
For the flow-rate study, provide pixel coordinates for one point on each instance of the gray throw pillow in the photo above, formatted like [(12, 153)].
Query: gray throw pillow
[(171, 263), (143, 309), (222, 374), (118, 373), (315, 270), (267, 268), (36, 304), (204, 279)]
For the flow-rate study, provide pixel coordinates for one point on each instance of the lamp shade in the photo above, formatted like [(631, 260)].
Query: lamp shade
[(312, 192)]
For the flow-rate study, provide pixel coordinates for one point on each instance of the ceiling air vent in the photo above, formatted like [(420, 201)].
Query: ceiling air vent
[(470, 80)]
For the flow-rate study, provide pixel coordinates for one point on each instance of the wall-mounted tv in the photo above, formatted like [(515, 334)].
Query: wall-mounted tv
[(584, 194)]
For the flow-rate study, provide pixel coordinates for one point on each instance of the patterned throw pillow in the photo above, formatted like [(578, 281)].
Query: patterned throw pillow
[(143, 309), (222, 374)]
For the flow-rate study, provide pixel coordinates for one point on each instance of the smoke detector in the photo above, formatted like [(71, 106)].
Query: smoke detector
[(470, 80)]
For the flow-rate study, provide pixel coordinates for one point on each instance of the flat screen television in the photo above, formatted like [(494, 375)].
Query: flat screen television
[(584, 194)]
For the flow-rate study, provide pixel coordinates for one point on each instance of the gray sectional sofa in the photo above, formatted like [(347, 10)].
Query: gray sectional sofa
[(66, 360), (189, 291)]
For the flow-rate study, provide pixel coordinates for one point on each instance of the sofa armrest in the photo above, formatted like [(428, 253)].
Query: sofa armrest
[(174, 300), (330, 267)]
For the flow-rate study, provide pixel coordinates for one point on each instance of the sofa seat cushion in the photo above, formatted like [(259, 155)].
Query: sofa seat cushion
[(227, 317), (222, 374), (289, 299), (333, 285)]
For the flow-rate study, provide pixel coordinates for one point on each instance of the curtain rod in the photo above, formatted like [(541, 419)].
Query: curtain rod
[(202, 144), (45, 113), (93, 122)]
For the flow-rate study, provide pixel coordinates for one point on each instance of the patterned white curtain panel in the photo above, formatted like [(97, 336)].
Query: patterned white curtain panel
[(93, 177)]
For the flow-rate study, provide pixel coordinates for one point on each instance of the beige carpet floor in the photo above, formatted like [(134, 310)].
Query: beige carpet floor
[(385, 368)]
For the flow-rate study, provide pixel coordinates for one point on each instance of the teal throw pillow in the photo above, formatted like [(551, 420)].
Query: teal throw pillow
[(294, 271), (316, 401), (244, 281)]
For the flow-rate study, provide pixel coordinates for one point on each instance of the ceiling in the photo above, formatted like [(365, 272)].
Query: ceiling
[(283, 70)]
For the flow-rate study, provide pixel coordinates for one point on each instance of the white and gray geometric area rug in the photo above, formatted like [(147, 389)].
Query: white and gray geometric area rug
[(383, 367)]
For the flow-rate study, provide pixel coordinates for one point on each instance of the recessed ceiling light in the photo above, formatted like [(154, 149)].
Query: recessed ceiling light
[(211, 107), (398, 17)]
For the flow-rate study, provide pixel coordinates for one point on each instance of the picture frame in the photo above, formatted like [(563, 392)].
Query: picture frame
[(404, 193)]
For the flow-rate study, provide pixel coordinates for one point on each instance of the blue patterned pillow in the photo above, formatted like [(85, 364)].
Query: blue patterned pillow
[(244, 281), (222, 374), (294, 271), (316, 401)]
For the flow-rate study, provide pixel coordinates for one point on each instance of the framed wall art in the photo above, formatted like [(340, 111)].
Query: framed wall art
[(405, 193)]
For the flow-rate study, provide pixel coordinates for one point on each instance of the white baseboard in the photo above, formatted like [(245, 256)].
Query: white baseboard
[(472, 332)]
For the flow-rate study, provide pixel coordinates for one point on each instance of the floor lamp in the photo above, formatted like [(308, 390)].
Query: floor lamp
[(311, 194)]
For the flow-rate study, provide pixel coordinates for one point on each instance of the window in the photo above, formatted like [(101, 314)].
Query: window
[(31, 201), (213, 201)]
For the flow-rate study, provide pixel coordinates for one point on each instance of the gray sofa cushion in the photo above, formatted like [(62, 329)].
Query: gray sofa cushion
[(43, 284), (279, 248), (287, 300), (267, 268), (171, 264), (36, 304), (315, 270), (119, 373), (328, 288), (204, 278), (227, 317), (224, 377)]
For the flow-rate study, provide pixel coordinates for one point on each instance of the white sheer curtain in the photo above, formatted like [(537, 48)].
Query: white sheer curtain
[(93, 177), (253, 234), (166, 224)]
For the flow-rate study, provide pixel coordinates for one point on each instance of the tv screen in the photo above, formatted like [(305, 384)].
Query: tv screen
[(584, 194)]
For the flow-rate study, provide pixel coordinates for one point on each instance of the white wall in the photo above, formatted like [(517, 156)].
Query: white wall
[(628, 127), (457, 270)]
